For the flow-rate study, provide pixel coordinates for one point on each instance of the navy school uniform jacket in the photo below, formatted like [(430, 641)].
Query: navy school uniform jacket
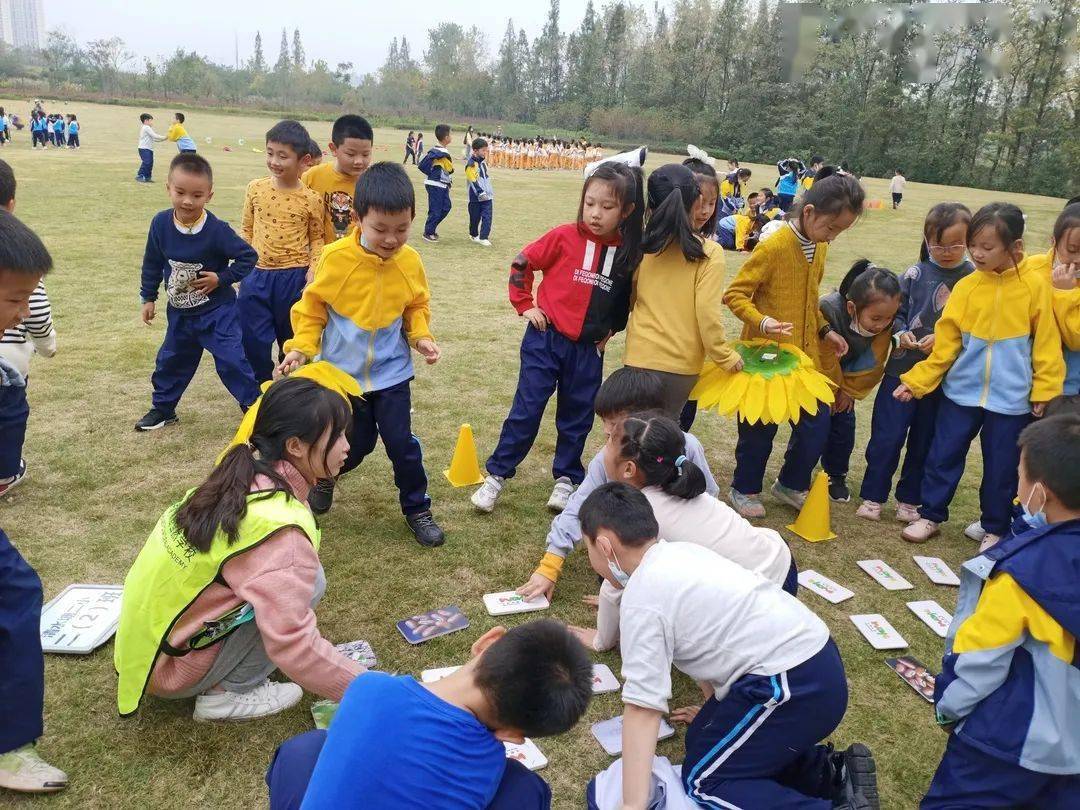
[(438, 165)]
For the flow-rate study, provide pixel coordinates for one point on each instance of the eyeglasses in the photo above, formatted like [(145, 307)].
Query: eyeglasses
[(940, 249)]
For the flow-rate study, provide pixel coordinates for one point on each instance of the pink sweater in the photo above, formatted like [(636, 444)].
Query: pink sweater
[(278, 579)]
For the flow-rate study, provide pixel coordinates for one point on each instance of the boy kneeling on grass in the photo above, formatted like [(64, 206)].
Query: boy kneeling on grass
[(1009, 691), (396, 743)]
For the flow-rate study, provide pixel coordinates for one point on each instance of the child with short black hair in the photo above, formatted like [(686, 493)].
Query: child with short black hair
[(1061, 264), (438, 165), (284, 221), (367, 307), (896, 188), (351, 142), (481, 193), (178, 134), (199, 258), (1007, 692), (73, 132), (147, 139), (532, 681)]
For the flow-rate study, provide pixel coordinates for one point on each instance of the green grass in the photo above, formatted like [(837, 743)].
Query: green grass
[(96, 487)]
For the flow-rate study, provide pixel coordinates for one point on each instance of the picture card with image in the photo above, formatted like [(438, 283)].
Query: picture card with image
[(915, 674), (609, 734), (885, 575), (877, 630), (426, 626), (527, 753), (604, 680), (937, 569), (823, 586), (507, 602), (934, 615)]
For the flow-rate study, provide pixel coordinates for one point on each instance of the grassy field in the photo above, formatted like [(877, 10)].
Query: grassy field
[(96, 487)]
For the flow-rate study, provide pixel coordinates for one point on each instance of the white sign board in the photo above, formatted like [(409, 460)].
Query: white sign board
[(80, 618)]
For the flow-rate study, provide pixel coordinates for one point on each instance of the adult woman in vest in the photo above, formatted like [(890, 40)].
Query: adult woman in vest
[(223, 592)]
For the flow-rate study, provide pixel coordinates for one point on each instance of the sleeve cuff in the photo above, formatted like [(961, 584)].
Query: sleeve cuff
[(550, 566)]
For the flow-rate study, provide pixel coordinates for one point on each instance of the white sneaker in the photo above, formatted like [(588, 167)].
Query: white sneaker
[(475, 239), (262, 701), (484, 242), (485, 498), (560, 494), (975, 531), (25, 771)]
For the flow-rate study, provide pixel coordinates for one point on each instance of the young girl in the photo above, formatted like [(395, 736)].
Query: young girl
[(862, 313), (410, 148), (772, 677), (924, 289), (73, 132), (223, 592), (583, 301), (775, 295), (788, 184), (419, 145), (997, 357), (677, 320)]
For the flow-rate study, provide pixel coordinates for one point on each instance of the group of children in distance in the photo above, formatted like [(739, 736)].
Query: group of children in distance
[(668, 551), (46, 129)]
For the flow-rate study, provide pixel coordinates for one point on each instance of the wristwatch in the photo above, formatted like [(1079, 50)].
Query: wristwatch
[(823, 331)]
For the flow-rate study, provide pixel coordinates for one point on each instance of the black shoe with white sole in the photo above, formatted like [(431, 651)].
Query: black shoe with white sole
[(838, 490), (425, 529), (156, 419)]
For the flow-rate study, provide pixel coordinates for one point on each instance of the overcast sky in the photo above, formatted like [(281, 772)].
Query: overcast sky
[(357, 31)]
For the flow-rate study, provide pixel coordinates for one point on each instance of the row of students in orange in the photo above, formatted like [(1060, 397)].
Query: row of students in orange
[(537, 153)]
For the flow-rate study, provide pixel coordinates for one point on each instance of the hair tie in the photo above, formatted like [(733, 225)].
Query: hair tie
[(679, 461)]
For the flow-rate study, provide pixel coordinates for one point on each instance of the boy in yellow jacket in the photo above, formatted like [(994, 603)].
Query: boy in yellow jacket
[(368, 304)]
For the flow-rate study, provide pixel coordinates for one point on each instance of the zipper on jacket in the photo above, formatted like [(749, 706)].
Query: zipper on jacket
[(990, 343)]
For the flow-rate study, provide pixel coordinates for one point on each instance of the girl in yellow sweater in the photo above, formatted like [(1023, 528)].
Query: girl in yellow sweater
[(775, 294), (676, 320)]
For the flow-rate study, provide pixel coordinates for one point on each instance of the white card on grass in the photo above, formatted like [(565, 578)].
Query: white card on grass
[(603, 679), (609, 734), (936, 617), (527, 753), (823, 586), (885, 575), (432, 675), (938, 571), (878, 631), (507, 602)]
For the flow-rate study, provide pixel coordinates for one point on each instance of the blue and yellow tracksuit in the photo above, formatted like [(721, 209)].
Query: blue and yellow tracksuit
[(1010, 679), (363, 313), (439, 168), (997, 349), (481, 197), (1067, 313)]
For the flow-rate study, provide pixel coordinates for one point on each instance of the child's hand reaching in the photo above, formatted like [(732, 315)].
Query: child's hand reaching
[(1064, 276), (837, 343), (771, 326), (908, 341), (293, 360), (148, 311), (926, 345), (843, 403), (684, 715), (428, 348), (537, 318), (206, 282), (538, 585), (1038, 409), (903, 393)]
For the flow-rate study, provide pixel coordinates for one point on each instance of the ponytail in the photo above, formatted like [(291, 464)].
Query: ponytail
[(629, 188), (672, 192), (865, 282), (658, 447)]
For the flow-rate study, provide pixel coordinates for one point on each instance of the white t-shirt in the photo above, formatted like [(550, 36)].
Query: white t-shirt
[(716, 621), (896, 185)]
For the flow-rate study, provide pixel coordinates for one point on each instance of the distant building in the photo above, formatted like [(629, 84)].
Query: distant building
[(22, 23)]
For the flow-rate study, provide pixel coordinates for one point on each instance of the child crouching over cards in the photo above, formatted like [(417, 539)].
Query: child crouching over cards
[(396, 743), (1009, 691), (772, 676)]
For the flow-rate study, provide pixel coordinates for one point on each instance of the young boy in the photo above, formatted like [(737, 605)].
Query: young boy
[(438, 165), (178, 134), (625, 391), (199, 258), (481, 193), (351, 141), (147, 139), (773, 681), (368, 304), (445, 738), (1009, 690), (896, 188), (283, 221), (23, 262)]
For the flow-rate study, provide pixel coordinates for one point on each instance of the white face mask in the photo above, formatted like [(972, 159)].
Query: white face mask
[(616, 571), (364, 242), (856, 327)]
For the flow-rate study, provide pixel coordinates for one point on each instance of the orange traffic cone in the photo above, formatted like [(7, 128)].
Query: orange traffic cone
[(813, 521), (464, 468)]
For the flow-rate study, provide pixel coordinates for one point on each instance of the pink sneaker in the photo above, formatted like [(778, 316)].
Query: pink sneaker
[(988, 542), (869, 510), (907, 513), (920, 531)]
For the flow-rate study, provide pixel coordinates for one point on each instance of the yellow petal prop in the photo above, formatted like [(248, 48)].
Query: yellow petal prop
[(777, 382)]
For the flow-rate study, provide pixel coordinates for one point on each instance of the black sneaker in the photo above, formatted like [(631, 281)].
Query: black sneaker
[(321, 496), (425, 528), (431, 237), (156, 419), (838, 490), (858, 789)]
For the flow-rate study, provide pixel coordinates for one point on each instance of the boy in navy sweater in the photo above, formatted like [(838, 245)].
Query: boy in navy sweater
[(439, 168), (199, 258), (481, 194)]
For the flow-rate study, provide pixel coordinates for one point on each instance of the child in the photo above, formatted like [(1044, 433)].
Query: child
[(178, 134), (224, 590), (896, 188), (419, 146), (23, 263), (924, 289), (147, 139), (410, 148), (315, 155), (73, 132), (648, 452), (731, 191), (862, 313), (703, 213), (625, 391), (1062, 265), (775, 294), (58, 131), (1008, 688), (439, 168), (38, 127), (676, 321), (740, 231), (997, 357), (582, 302), (351, 142), (199, 258), (368, 304), (447, 749), (284, 222), (481, 193), (772, 677), (788, 184), (810, 175)]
